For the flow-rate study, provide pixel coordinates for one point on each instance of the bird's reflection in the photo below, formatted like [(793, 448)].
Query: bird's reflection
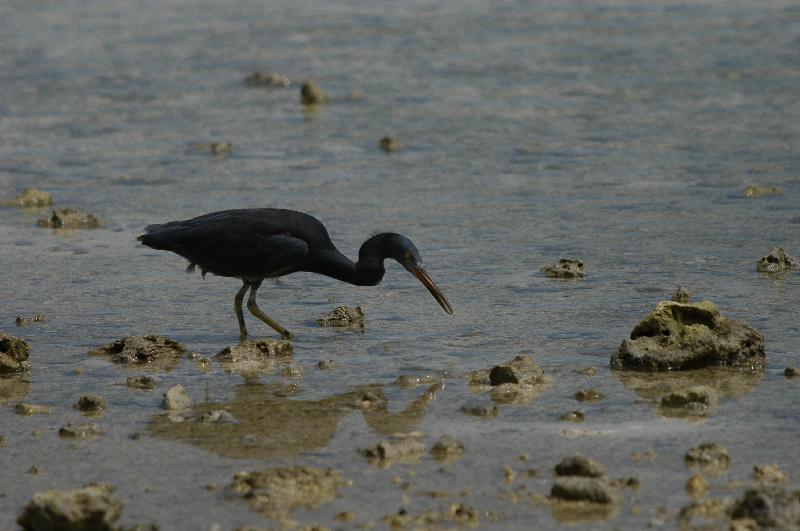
[(263, 421)]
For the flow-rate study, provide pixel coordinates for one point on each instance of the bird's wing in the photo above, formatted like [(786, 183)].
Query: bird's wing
[(251, 255)]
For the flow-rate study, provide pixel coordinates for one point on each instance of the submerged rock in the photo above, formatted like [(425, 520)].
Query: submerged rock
[(776, 261), (30, 198), (521, 369), (565, 268), (708, 457), (697, 400), (517, 381), (769, 474), (388, 144), (480, 409), (578, 465), (447, 449), (92, 508), (311, 94), (678, 336), (91, 404), (758, 191), (277, 491), (397, 448), (791, 372), (697, 486), (151, 352), (573, 416), (266, 79), (343, 316), (769, 507), (69, 218), (13, 354), (32, 409), (254, 356), (79, 431), (25, 321), (456, 514), (141, 382), (588, 395)]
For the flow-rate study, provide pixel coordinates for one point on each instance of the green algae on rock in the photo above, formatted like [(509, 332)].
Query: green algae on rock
[(274, 492), (677, 336), (151, 352), (30, 198), (92, 508), (13, 354), (69, 218), (776, 261), (565, 268)]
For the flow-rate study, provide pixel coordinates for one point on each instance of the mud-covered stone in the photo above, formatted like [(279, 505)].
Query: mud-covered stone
[(447, 448), (696, 400), (25, 321), (678, 336), (30, 198), (278, 491), (565, 268), (456, 514), (32, 409), (254, 356), (176, 399), (522, 369), (769, 507), (577, 488), (776, 261), (697, 486), (589, 395), (682, 295), (141, 382), (396, 447), (69, 218), (769, 474), (92, 508), (343, 316), (708, 457), (151, 352), (578, 465), (91, 404), (389, 144), (14, 353)]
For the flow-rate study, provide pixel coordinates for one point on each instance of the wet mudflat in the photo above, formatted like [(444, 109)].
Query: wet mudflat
[(631, 138)]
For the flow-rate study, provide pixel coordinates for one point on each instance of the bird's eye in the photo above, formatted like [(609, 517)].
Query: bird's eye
[(407, 256)]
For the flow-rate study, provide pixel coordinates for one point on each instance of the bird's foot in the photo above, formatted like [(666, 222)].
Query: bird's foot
[(286, 335)]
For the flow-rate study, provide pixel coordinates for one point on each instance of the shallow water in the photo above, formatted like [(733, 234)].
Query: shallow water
[(618, 133)]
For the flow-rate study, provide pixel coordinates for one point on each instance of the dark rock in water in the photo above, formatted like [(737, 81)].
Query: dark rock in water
[(92, 508), (25, 321), (266, 79), (153, 352), (565, 268), (769, 507), (576, 488), (709, 457), (578, 465), (521, 369), (447, 449), (69, 218), (588, 395), (791, 372), (141, 382), (30, 198), (682, 295), (678, 336), (776, 261), (389, 144), (13, 354), (311, 94)]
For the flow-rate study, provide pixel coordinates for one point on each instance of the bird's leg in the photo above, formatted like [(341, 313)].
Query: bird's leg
[(237, 307), (255, 310)]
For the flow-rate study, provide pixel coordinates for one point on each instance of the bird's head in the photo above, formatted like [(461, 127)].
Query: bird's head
[(406, 254)]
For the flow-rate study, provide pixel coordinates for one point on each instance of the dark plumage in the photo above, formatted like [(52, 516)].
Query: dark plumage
[(258, 243)]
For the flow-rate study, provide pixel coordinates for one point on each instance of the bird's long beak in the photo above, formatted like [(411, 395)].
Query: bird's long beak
[(427, 281)]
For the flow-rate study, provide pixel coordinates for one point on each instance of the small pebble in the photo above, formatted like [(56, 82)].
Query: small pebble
[(791, 372)]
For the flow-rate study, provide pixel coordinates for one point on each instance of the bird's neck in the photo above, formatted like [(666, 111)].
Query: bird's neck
[(366, 272)]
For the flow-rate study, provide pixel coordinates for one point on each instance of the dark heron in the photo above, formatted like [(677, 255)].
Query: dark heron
[(258, 243)]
